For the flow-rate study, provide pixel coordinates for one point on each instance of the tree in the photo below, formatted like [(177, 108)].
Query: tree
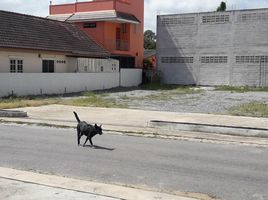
[(222, 7), (149, 40)]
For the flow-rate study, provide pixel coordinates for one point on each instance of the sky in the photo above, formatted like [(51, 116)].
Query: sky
[(152, 7)]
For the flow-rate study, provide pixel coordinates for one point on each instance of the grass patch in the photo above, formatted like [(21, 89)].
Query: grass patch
[(158, 86), (19, 102), (88, 99), (173, 88), (241, 89), (125, 97), (254, 109), (94, 101)]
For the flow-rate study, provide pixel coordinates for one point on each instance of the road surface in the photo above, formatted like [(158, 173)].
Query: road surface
[(224, 171)]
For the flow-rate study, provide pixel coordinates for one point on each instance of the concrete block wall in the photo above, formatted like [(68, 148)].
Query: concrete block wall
[(236, 33)]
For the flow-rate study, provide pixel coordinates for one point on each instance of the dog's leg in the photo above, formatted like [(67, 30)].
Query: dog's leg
[(91, 141), (78, 137), (85, 142)]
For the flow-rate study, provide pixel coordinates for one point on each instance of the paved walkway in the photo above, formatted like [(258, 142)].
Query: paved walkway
[(21, 185), (136, 118)]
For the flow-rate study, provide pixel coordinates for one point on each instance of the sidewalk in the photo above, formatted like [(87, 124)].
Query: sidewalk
[(21, 185)]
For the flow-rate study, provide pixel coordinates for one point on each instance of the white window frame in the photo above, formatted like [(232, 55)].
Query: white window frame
[(16, 65)]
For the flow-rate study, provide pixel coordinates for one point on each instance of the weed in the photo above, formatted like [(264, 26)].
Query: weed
[(241, 89), (254, 109), (90, 99)]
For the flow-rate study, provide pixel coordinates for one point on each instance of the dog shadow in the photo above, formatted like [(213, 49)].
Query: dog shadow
[(99, 147)]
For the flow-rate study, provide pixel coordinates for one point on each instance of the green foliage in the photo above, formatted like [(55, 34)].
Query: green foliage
[(149, 40), (222, 7), (147, 64)]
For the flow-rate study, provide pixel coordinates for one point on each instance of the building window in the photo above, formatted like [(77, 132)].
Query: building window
[(177, 20), (61, 61), (16, 66), (253, 17), (90, 25), (124, 28), (48, 66), (214, 59), (177, 59), (250, 59), (215, 19)]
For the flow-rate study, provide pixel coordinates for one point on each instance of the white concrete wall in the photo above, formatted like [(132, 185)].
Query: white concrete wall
[(60, 83), (130, 77), (22, 84)]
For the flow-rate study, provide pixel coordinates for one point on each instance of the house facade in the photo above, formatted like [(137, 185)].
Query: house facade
[(214, 48), (116, 25), (31, 44), (41, 56)]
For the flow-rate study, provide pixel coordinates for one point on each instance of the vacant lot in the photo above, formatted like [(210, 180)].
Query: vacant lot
[(200, 100), (234, 101)]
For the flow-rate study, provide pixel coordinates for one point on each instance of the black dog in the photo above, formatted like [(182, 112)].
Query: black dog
[(83, 128)]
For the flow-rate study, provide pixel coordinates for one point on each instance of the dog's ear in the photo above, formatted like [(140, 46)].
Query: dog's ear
[(96, 125), (101, 125)]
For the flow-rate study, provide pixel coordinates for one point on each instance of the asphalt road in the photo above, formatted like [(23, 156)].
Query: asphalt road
[(225, 171)]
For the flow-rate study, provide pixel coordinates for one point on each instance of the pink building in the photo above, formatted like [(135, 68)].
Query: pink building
[(116, 25)]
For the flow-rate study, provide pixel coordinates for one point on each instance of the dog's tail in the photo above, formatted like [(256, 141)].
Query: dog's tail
[(76, 116)]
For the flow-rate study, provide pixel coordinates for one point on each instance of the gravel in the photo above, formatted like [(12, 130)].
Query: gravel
[(207, 101)]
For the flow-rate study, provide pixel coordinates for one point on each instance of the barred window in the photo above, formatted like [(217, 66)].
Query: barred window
[(250, 59), (215, 19), (253, 16), (16, 66), (214, 59), (177, 20), (177, 59)]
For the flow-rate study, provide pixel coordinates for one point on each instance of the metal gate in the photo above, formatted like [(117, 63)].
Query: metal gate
[(263, 72)]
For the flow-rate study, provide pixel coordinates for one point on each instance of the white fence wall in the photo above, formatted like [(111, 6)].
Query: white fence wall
[(60, 83), (130, 77), (42, 83)]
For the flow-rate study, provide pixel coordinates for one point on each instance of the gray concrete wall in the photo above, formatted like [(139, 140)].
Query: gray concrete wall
[(213, 34), (130, 77)]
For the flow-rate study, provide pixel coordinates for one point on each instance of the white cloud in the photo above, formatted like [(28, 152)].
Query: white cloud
[(152, 7)]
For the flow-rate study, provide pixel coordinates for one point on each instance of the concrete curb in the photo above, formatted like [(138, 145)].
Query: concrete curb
[(210, 128), (108, 190), (13, 113)]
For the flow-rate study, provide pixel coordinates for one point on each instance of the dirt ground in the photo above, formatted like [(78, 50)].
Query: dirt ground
[(206, 100)]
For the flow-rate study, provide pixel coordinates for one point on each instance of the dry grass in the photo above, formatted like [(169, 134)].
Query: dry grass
[(241, 89), (87, 99), (26, 102), (254, 109), (94, 100)]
